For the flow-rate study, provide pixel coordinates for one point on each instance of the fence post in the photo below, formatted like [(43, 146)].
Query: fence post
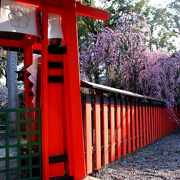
[(97, 129), (137, 123), (128, 124), (112, 130), (105, 130), (88, 134), (141, 122), (123, 117), (144, 123), (118, 128), (133, 124)]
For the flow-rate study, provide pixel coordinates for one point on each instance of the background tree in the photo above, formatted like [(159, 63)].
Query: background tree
[(162, 21)]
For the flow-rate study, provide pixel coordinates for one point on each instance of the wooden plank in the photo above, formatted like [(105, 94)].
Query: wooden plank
[(112, 130), (128, 125), (56, 127), (133, 125), (150, 123), (137, 124), (123, 118), (147, 123), (97, 123), (118, 128), (156, 117), (12, 43), (105, 131), (88, 135), (91, 12), (44, 97), (154, 123), (141, 123), (144, 123), (72, 95)]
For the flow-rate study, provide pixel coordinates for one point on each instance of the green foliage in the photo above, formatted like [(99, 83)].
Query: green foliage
[(163, 22)]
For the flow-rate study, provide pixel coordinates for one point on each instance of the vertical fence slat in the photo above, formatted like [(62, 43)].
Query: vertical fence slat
[(144, 123), (137, 123), (164, 117), (147, 125), (154, 116), (159, 122), (133, 125), (123, 118), (161, 117), (118, 128), (141, 123), (112, 130), (128, 125), (151, 122), (88, 134), (97, 126), (157, 113), (105, 131)]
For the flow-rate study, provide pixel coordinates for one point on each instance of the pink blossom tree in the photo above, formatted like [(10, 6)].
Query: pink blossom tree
[(118, 57)]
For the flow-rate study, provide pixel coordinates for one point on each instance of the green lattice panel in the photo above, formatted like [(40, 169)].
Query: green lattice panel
[(20, 144)]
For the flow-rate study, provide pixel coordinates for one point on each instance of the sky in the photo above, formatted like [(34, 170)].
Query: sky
[(160, 2), (152, 2)]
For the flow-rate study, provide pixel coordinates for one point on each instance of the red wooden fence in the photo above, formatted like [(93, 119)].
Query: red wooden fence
[(116, 125)]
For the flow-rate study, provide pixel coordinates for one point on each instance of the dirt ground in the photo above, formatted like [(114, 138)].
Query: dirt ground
[(159, 161)]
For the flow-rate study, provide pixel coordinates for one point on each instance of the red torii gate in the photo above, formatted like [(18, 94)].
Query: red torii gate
[(61, 104)]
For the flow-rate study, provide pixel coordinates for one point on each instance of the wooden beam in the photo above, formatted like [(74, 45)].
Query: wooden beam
[(80, 9), (12, 43), (91, 12)]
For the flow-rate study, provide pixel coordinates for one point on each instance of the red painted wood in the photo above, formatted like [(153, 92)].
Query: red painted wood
[(151, 122), (112, 131), (123, 118), (163, 114), (91, 12), (57, 7), (72, 97), (55, 58), (44, 97), (28, 57), (154, 112), (137, 124), (56, 125), (88, 135), (118, 128), (133, 135), (141, 124), (156, 109), (105, 131), (155, 124), (97, 127), (128, 126), (147, 122), (12, 43), (144, 124), (159, 122)]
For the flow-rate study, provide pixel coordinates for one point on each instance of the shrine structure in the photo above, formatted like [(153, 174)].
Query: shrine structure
[(63, 155)]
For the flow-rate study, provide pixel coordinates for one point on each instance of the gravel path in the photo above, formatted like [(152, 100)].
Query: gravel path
[(158, 161)]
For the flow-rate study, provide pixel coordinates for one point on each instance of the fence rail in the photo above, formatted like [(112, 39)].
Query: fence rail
[(118, 123)]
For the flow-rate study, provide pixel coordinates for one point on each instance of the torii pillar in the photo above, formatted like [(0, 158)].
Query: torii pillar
[(69, 92)]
